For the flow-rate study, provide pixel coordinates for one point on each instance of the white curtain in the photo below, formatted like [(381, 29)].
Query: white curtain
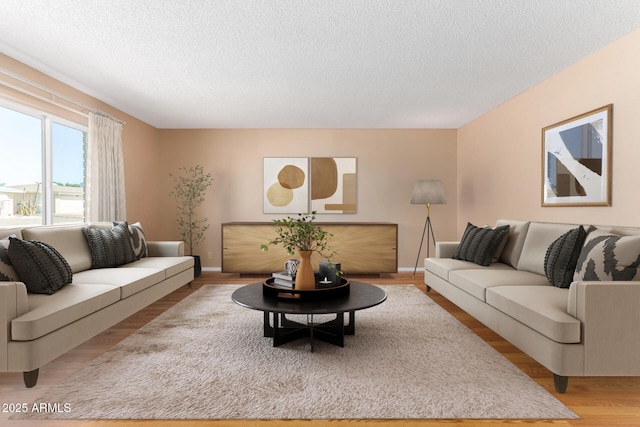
[(104, 192)]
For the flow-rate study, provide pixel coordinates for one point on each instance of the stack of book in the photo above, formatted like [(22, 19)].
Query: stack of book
[(282, 278)]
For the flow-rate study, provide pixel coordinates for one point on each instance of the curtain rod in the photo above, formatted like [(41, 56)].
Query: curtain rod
[(53, 95)]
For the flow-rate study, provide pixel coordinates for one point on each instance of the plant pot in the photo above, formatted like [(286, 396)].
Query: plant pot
[(197, 266), (305, 277)]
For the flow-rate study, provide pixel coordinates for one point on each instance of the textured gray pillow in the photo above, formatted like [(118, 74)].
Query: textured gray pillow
[(109, 248), (606, 256), (479, 245), (562, 256), (40, 267), (7, 272), (138, 240)]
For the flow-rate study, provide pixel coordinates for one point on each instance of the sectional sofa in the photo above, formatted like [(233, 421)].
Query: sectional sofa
[(74, 282), (565, 294)]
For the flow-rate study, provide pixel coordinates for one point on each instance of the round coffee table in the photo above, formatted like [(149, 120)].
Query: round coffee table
[(284, 330)]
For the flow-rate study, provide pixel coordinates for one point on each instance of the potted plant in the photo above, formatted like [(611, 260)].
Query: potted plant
[(189, 193), (302, 235)]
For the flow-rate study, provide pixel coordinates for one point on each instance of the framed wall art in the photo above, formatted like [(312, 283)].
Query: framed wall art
[(286, 184), (576, 160), (333, 185), (303, 184)]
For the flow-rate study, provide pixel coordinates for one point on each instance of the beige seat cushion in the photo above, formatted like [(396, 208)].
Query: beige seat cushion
[(67, 239), (50, 312), (129, 280), (542, 308), (443, 266), (515, 240), (172, 265), (476, 282), (540, 236)]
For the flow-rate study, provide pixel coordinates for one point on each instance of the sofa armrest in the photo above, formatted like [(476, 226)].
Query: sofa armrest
[(610, 321), (13, 303), (446, 249), (166, 248)]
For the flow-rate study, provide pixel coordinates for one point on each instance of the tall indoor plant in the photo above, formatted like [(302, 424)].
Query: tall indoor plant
[(300, 234), (189, 192)]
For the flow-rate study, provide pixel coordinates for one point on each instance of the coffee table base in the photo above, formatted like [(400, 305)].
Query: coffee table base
[(286, 330)]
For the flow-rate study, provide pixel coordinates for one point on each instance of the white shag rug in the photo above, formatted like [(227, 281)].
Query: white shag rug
[(206, 358)]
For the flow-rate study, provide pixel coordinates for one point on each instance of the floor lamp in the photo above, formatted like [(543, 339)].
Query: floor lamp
[(427, 192)]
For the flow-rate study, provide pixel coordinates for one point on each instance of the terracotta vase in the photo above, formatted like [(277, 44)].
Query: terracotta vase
[(305, 278)]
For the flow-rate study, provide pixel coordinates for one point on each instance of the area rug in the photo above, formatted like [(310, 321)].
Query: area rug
[(206, 358)]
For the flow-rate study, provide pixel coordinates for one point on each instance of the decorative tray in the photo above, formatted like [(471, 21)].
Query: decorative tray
[(319, 293)]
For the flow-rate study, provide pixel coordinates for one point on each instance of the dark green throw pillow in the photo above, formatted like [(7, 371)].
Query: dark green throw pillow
[(562, 256), (109, 248), (39, 266), (478, 245)]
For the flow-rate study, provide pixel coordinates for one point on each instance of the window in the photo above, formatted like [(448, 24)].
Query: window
[(42, 174)]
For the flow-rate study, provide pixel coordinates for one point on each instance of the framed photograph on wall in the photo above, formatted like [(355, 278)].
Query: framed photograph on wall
[(576, 160)]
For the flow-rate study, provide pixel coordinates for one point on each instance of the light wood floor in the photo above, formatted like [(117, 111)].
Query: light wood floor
[(599, 401)]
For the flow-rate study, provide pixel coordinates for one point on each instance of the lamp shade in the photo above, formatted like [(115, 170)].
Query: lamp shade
[(428, 192)]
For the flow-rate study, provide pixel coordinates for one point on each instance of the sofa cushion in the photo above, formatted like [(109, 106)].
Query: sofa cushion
[(7, 272), (479, 245), (129, 280), (514, 242), (606, 256), (50, 312), (40, 267), (539, 237), (67, 239), (562, 256), (477, 281), (442, 267), (542, 308), (109, 248), (171, 265), (13, 231)]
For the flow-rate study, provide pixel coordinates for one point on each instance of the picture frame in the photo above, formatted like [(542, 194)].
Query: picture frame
[(286, 185), (325, 185), (576, 160), (334, 185)]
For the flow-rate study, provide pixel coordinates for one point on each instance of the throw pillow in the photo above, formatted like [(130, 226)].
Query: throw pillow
[(479, 245), (40, 266), (7, 272), (606, 256), (138, 240), (562, 256), (109, 248)]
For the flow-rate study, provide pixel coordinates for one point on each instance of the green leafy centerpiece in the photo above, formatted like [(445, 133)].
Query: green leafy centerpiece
[(300, 234)]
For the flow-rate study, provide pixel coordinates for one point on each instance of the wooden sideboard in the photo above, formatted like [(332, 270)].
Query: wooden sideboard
[(363, 248)]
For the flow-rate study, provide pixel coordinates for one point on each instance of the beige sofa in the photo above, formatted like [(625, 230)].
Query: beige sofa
[(591, 328), (37, 328)]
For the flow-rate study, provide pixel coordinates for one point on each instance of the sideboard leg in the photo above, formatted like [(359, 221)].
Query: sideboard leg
[(428, 288), (30, 378), (560, 382)]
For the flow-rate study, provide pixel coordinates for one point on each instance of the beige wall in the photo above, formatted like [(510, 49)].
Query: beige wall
[(499, 154), (389, 162)]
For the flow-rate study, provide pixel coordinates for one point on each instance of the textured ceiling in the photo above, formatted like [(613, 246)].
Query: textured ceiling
[(307, 63)]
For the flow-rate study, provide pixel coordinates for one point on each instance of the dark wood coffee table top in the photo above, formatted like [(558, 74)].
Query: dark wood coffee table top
[(361, 296)]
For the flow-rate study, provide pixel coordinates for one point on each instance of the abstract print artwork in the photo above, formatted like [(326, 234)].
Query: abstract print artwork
[(286, 184), (333, 184), (576, 160), (301, 185)]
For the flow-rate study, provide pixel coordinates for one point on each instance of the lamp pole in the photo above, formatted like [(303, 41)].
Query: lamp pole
[(429, 230)]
